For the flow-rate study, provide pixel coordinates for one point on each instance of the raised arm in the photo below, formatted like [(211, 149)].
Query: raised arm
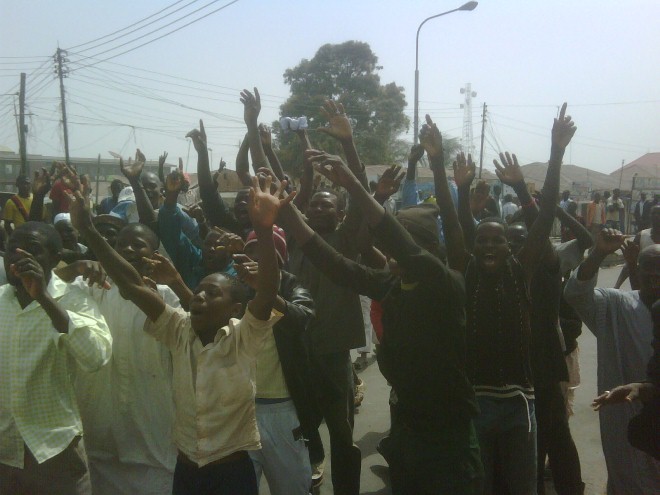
[(532, 251), (339, 127), (267, 144), (464, 173), (263, 209), (40, 188), (251, 108), (409, 195), (132, 170), (305, 190), (243, 162), (216, 213), (583, 236), (123, 274), (431, 139)]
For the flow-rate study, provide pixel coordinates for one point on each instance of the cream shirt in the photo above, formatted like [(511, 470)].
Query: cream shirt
[(214, 385), (270, 377), (127, 407), (37, 401)]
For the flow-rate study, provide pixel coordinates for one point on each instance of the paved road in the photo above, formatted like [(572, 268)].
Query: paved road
[(372, 422)]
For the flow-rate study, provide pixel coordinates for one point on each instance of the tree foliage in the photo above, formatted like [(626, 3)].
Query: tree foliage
[(348, 73)]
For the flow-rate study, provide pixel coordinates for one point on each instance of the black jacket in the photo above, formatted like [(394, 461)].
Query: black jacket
[(290, 340)]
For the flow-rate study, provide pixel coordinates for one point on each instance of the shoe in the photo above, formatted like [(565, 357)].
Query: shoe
[(317, 473), (359, 392)]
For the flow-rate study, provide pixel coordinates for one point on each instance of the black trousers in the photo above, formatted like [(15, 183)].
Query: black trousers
[(332, 375), (554, 439), (230, 478)]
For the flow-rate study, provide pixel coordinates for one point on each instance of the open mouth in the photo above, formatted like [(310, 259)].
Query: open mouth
[(489, 259)]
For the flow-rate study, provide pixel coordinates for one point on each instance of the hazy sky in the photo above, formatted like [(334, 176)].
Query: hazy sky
[(523, 58)]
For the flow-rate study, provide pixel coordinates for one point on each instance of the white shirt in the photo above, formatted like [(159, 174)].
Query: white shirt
[(214, 385), (127, 407), (508, 209), (38, 406), (623, 328), (613, 215)]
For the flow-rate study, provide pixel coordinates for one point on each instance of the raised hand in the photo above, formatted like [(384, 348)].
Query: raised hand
[(196, 212), (509, 171), (431, 140), (161, 166), (331, 167), (222, 165), (263, 206), (247, 270), (198, 137), (41, 182), (608, 241), (70, 179), (416, 153), (563, 129), (266, 136), (251, 106), (89, 270), (139, 156), (630, 252), (389, 183), (339, 126), (131, 170), (174, 182), (81, 217), (161, 270), (464, 170), (263, 172), (31, 274)]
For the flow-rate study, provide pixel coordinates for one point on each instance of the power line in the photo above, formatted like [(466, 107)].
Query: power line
[(159, 37), (142, 27), (127, 27)]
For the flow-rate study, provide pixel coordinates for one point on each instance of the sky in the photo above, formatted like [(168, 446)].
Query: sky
[(523, 59)]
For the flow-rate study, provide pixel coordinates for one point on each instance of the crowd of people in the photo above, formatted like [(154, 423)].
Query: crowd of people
[(150, 347)]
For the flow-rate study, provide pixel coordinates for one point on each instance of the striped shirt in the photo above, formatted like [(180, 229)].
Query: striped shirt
[(37, 403)]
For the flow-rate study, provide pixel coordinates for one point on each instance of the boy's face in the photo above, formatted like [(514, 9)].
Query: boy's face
[(109, 233), (516, 236), (491, 248), (34, 243), (68, 234), (214, 259), (322, 212), (134, 246), (212, 305), (24, 188), (151, 185), (241, 208)]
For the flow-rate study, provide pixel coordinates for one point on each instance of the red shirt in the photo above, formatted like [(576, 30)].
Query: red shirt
[(58, 194)]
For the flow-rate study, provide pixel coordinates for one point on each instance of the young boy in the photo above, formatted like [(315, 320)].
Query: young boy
[(213, 353), (127, 407), (47, 328)]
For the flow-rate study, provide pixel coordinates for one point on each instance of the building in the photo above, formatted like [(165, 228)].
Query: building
[(640, 175), (102, 171)]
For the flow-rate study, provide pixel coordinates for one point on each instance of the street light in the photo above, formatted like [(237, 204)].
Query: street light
[(466, 7)]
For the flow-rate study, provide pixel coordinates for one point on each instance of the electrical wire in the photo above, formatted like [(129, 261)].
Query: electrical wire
[(157, 38), (129, 26)]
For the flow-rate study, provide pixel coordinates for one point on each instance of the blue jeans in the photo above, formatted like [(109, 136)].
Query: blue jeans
[(507, 434)]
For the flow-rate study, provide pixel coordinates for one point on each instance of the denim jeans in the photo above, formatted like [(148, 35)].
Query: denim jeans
[(283, 457), (507, 434)]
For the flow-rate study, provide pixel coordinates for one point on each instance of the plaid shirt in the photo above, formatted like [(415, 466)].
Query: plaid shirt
[(37, 403)]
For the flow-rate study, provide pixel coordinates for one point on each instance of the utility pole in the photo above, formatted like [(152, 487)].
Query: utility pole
[(61, 73), (22, 138), (483, 128)]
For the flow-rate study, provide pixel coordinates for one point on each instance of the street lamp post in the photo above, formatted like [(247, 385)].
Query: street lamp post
[(466, 7)]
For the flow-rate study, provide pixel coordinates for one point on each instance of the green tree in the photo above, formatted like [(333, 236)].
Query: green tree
[(348, 73)]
